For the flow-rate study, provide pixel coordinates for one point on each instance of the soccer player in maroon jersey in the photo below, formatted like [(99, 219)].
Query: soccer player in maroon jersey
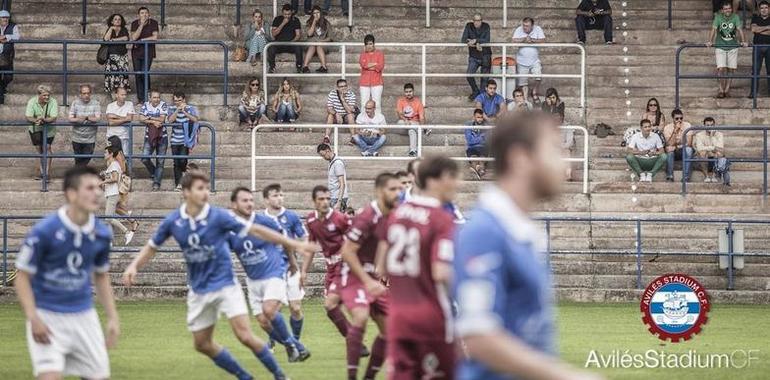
[(417, 253), (358, 254)]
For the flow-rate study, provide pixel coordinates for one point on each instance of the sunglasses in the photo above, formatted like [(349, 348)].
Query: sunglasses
[(678, 118), (254, 84), (652, 105)]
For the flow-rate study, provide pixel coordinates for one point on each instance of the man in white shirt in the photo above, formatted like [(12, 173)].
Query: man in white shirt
[(709, 145), (645, 153), (528, 58), (370, 140), (120, 113)]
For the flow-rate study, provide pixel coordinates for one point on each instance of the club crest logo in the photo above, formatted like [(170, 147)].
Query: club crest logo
[(675, 307)]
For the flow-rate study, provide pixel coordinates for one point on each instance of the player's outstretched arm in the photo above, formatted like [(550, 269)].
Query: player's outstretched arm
[(106, 297), (268, 234), (40, 332), (145, 255)]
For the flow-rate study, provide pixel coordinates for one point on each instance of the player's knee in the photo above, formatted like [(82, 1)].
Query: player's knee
[(359, 316), (205, 347), (296, 310), (263, 321), (269, 309)]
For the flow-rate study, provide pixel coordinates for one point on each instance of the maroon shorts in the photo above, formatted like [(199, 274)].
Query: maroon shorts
[(332, 283), (411, 359), (354, 295)]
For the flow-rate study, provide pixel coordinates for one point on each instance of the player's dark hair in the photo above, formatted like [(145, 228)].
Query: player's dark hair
[(641, 122), (400, 174), (322, 147), (763, 2), (709, 118), (72, 176), (271, 187), (382, 179), (517, 130), (190, 177), (341, 80), (319, 189), (286, 7), (478, 111), (238, 190), (408, 86), (529, 19), (433, 167), (179, 94), (518, 91)]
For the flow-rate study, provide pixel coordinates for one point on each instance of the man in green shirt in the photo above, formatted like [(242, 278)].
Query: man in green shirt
[(725, 28), (42, 110)]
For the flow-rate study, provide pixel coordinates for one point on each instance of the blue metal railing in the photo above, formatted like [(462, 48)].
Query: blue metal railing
[(65, 72), (129, 153)]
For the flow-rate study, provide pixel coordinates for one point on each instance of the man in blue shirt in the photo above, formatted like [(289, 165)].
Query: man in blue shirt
[(476, 142), (503, 285), (55, 267), (492, 103), (201, 232), (184, 133)]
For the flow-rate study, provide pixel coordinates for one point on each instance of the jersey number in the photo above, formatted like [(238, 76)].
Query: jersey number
[(404, 252)]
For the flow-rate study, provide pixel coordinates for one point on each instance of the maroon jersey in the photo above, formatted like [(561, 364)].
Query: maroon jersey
[(365, 230), (419, 233), (329, 233)]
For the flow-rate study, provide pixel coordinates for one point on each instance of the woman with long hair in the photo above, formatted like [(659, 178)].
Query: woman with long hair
[(286, 103), (253, 105), (317, 30), (111, 178), (654, 114), (117, 54), (256, 34)]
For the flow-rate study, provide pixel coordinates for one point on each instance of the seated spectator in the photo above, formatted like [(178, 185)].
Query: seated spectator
[(370, 140), (9, 32), (726, 36), (341, 107), (153, 114), (257, 36), (286, 28), (528, 58), (476, 33), (253, 105), (654, 113), (476, 143), (553, 104), (673, 133), (372, 62), (184, 133), (520, 102), (645, 153), (117, 54), (42, 110), (492, 103), (286, 103), (594, 15), (709, 145), (120, 113), (84, 113), (317, 30), (410, 112)]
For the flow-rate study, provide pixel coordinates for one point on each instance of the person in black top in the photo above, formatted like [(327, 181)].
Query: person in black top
[(285, 28), (143, 29), (760, 26), (9, 32), (476, 33), (594, 15), (117, 54)]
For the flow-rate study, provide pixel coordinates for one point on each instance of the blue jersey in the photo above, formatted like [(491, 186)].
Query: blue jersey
[(60, 257), (291, 226), (502, 280), (260, 259), (203, 240)]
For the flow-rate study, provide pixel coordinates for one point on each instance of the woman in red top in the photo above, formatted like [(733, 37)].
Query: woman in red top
[(372, 63)]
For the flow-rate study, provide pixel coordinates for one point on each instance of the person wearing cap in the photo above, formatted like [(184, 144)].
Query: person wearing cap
[(9, 32)]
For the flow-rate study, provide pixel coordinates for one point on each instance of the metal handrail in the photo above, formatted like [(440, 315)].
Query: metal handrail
[(129, 153), (65, 72), (505, 13), (419, 127)]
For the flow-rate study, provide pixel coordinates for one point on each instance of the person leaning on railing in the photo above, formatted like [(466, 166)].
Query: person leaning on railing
[(184, 133), (9, 32), (117, 54), (42, 110), (475, 33), (120, 113), (85, 111)]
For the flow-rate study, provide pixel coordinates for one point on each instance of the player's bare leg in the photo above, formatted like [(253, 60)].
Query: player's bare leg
[(271, 320), (242, 331), (204, 343), (378, 348), (332, 304)]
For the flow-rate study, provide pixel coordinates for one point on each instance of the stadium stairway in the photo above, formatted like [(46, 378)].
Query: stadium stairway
[(596, 260)]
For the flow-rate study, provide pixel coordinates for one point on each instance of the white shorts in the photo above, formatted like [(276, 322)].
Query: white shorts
[(293, 291), (77, 345), (203, 310), (265, 290), (727, 58), (535, 69)]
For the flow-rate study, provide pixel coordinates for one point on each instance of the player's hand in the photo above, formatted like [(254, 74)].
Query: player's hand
[(293, 269), (375, 288), (302, 278), (307, 247), (113, 332), (129, 276), (40, 332), (708, 44)]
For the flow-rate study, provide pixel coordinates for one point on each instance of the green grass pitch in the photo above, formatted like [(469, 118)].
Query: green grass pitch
[(156, 345)]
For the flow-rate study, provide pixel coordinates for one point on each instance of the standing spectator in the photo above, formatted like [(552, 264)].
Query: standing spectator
[(492, 103), (673, 133), (528, 58), (372, 62), (476, 143), (117, 54), (253, 104), (42, 110), (341, 107), (184, 133), (520, 102), (111, 184), (410, 112), (370, 140), (84, 113), (337, 177), (120, 113), (317, 30), (153, 114), (710, 145), (143, 29), (722, 36), (256, 36), (286, 28), (654, 114), (474, 35), (594, 15), (645, 152), (9, 32), (760, 27), (343, 5), (286, 103), (307, 4)]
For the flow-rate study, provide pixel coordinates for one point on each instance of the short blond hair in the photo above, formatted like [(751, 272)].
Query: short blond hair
[(41, 89)]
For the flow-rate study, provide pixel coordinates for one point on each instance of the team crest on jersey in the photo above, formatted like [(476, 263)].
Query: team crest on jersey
[(284, 220), (61, 234), (675, 307), (196, 253), (250, 256), (331, 227)]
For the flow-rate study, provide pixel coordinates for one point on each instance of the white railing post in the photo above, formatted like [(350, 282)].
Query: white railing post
[(427, 13), (350, 15), (582, 83), (344, 59), (504, 65), (585, 160), (423, 79), (505, 13), (253, 159), (336, 139), (275, 8), (419, 140)]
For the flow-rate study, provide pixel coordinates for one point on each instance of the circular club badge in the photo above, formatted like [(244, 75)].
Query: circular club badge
[(675, 307)]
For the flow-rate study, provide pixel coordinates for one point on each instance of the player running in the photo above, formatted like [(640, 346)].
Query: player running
[(201, 232), (55, 267), (358, 254), (416, 252), (265, 269)]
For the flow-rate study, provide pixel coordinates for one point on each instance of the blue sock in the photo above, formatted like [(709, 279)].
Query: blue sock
[(296, 326), (269, 362), (280, 333), (227, 362)]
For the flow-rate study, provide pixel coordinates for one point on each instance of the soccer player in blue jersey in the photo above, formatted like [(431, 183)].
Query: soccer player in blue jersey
[(502, 281), (201, 232), (265, 265), (57, 263)]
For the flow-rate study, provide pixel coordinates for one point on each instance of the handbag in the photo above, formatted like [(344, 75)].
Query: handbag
[(239, 55), (124, 184), (102, 54)]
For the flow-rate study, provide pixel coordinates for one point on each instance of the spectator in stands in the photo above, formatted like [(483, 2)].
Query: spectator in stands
[(492, 103), (709, 144), (372, 62), (654, 114), (724, 30), (403, 179), (9, 32), (410, 112), (341, 107), (307, 4), (645, 152), (153, 114), (286, 103), (553, 104), (120, 114), (337, 177), (253, 105), (111, 185), (594, 15), (317, 29), (286, 28), (117, 54), (673, 133), (84, 113), (256, 35), (520, 102), (370, 140), (143, 29), (760, 27), (42, 110), (528, 58), (476, 143), (343, 5), (183, 133), (476, 33)]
